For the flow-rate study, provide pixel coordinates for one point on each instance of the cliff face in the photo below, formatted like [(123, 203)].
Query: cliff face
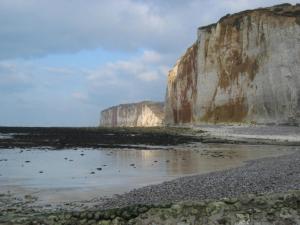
[(243, 69), (142, 114)]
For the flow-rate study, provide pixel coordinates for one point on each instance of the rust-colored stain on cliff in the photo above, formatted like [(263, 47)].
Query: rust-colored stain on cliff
[(183, 114), (231, 61), (233, 111), (187, 71), (234, 67), (114, 118)]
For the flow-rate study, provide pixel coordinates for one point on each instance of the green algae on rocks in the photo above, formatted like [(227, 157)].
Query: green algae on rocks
[(280, 208)]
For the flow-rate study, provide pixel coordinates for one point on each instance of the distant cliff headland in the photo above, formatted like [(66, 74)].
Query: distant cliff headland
[(142, 114), (243, 69)]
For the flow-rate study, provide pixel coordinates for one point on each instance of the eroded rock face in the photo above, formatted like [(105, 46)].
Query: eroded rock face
[(243, 69), (142, 114)]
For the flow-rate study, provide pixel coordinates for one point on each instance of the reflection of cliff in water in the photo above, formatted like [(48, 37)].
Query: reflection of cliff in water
[(214, 157), (198, 159)]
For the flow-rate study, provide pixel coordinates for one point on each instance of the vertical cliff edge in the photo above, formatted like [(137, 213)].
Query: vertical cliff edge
[(142, 114), (243, 69)]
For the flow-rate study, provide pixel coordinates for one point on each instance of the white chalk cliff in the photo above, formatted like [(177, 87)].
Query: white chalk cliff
[(243, 69), (142, 114)]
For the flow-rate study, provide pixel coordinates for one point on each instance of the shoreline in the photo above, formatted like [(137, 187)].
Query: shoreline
[(260, 177)]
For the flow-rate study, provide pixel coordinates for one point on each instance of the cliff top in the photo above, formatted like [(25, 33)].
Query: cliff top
[(286, 9), (134, 104)]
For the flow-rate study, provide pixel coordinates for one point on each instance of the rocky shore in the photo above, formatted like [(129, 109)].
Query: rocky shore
[(92, 137), (149, 137), (282, 208), (277, 174)]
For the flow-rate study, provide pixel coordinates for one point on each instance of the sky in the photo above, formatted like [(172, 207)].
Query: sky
[(63, 61)]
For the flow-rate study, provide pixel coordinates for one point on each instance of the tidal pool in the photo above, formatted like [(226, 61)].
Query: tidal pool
[(81, 174)]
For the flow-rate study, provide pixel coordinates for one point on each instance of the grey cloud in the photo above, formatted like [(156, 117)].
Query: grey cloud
[(35, 28), (136, 79), (149, 63)]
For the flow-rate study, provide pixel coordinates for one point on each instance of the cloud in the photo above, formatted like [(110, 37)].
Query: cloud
[(139, 78), (81, 96), (35, 28), (150, 66)]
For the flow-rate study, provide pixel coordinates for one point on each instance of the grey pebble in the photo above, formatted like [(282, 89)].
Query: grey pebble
[(276, 174)]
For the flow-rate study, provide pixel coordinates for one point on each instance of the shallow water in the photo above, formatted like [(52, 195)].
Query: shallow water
[(65, 175)]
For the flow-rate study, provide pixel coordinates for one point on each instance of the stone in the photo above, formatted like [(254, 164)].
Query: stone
[(92, 222), (126, 215), (142, 209), (97, 215), (230, 200), (215, 207), (105, 222), (90, 215), (117, 221), (83, 221), (68, 216), (83, 215)]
